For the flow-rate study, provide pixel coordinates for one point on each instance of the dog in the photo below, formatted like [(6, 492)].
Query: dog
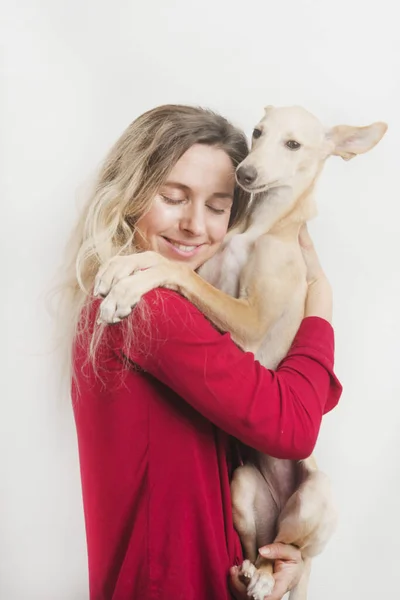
[(260, 259)]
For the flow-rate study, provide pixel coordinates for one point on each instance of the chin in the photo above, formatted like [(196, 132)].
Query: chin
[(195, 264)]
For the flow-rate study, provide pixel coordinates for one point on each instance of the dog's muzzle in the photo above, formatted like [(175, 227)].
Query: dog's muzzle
[(246, 175)]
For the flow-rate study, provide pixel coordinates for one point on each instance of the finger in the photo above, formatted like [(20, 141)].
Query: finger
[(277, 550), (305, 241), (237, 587), (310, 257), (306, 244), (304, 237)]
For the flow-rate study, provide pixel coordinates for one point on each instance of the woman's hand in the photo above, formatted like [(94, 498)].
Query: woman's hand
[(319, 295), (288, 568)]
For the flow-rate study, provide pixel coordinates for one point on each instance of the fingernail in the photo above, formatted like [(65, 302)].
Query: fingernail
[(264, 551), (234, 570)]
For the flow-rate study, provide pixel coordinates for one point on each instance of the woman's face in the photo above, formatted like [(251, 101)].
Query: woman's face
[(189, 216)]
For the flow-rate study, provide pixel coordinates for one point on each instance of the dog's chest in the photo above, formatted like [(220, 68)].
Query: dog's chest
[(225, 268), (275, 265)]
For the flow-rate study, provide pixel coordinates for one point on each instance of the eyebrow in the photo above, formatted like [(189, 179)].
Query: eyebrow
[(185, 188)]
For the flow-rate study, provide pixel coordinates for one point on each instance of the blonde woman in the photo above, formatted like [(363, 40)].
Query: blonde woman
[(161, 398)]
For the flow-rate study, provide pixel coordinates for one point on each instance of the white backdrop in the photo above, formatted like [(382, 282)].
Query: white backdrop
[(73, 76)]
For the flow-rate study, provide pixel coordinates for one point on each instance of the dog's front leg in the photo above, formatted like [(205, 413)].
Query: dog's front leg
[(241, 317)]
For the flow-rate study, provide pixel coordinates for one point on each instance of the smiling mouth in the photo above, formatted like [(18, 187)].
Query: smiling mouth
[(183, 248)]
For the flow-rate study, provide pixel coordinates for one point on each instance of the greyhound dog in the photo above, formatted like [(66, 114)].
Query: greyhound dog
[(255, 288)]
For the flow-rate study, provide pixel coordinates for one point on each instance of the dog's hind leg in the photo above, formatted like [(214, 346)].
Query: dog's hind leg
[(243, 492), (309, 518), (308, 521), (254, 514)]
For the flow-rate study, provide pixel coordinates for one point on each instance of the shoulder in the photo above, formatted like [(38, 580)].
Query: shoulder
[(171, 313), (163, 318), (162, 300), (163, 307)]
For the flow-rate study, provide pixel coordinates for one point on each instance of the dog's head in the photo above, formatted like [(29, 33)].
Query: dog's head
[(290, 145)]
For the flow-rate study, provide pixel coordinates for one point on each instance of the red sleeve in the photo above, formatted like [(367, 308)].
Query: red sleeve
[(276, 412)]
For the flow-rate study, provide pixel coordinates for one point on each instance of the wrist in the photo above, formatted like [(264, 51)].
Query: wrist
[(319, 301)]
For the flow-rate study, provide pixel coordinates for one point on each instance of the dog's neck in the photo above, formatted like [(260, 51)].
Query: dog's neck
[(302, 211), (271, 214)]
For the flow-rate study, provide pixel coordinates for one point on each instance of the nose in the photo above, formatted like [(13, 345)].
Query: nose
[(246, 175), (193, 221)]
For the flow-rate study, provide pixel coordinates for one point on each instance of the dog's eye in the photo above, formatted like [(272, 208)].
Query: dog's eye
[(292, 145), (257, 133)]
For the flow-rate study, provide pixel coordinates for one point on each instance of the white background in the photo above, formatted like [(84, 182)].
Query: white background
[(73, 76)]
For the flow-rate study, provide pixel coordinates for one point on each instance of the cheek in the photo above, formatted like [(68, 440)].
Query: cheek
[(218, 229), (305, 161), (287, 164), (159, 218)]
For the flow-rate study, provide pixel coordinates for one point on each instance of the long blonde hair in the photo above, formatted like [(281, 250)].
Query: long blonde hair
[(135, 168)]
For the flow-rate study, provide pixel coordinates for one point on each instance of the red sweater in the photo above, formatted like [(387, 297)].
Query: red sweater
[(155, 443)]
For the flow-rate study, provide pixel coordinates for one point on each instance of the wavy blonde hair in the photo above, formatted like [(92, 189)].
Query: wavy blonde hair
[(132, 173)]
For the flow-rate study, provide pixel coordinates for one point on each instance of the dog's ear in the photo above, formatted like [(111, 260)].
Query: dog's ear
[(347, 141)]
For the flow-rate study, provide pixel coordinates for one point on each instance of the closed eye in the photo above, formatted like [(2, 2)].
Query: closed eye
[(176, 201), (172, 200), (217, 211)]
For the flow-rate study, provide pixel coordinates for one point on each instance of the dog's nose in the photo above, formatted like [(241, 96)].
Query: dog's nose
[(246, 174)]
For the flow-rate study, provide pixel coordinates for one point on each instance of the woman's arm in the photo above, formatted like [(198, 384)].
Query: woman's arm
[(319, 295), (276, 412)]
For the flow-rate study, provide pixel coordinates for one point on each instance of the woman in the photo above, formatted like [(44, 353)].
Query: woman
[(160, 398)]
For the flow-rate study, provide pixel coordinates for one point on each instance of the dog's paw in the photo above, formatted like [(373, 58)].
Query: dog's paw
[(246, 571), (259, 584)]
